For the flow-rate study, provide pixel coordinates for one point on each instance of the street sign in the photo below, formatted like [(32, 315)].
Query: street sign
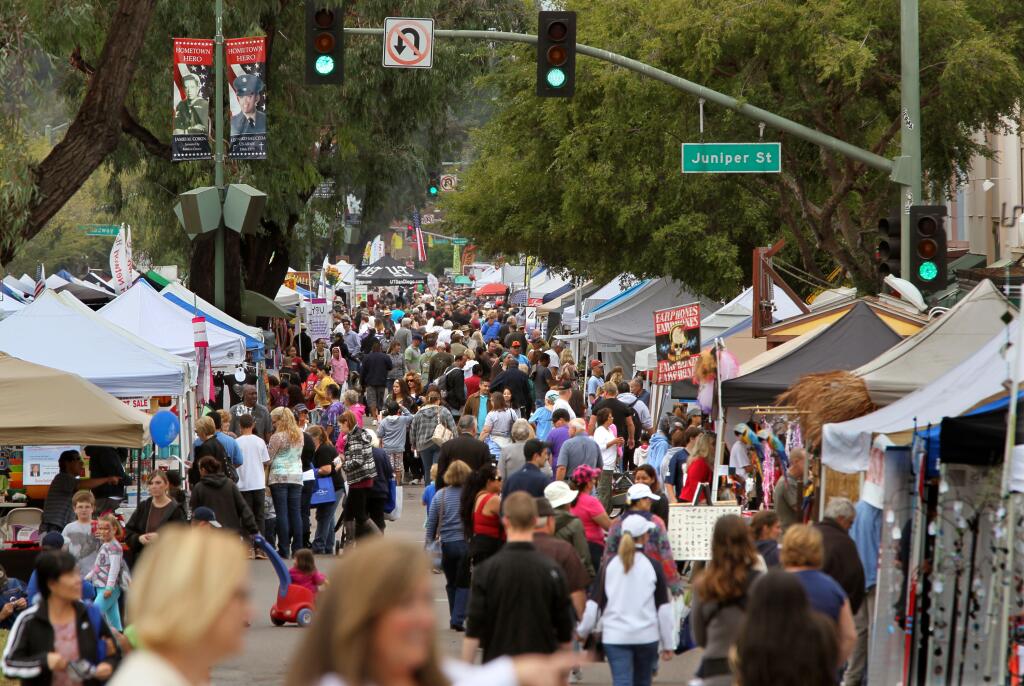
[(732, 158), (408, 43), (449, 182), (460, 241), (100, 229)]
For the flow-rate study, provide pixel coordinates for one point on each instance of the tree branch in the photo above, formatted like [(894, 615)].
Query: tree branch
[(131, 126)]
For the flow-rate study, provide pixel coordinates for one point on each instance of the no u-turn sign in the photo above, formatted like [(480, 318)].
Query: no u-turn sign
[(408, 43)]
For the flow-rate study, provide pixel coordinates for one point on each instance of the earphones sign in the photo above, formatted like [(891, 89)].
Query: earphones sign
[(677, 342)]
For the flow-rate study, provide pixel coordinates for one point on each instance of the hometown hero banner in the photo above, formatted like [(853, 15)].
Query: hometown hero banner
[(677, 342), (192, 75), (247, 76)]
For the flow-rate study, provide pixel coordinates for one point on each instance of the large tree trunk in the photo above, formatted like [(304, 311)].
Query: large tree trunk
[(96, 128), (265, 257)]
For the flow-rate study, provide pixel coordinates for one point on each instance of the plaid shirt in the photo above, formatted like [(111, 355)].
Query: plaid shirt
[(425, 422)]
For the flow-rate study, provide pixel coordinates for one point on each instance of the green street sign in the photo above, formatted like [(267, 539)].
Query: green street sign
[(460, 241), (100, 229), (732, 158)]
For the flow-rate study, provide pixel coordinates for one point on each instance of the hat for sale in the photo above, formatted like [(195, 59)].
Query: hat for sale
[(205, 514), (639, 492), (594, 364), (558, 493), (636, 526)]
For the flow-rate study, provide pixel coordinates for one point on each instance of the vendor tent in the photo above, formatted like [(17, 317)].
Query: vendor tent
[(492, 289), (388, 271), (860, 335), (9, 306), (59, 332), (940, 346), (144, 313), (287, 297), (215, 318), (44, 406), (624, 325), (845, 445), (85, 292)]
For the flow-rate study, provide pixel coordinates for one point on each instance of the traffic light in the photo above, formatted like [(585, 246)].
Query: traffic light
[(325, 44), (927, 247), (434, 185), (556, 54), (887, 254)]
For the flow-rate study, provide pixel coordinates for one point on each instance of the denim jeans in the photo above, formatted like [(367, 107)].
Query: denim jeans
[(632, 664), (289, 522), (324, 540), (428, 456), (452, 555)]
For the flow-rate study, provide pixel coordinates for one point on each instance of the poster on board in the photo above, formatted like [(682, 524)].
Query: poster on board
[(41, 463), (318, 319), (677, 342)]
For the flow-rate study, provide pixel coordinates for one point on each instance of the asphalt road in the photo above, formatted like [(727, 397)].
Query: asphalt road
[(268, 649)]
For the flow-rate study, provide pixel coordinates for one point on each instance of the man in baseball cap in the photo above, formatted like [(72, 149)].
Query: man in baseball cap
[(204, 516), (595, 381)]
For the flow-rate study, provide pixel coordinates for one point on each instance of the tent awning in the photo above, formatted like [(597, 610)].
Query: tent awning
[(84, 415), (190, 302), (388, 271), (491, 289), (258, 305)]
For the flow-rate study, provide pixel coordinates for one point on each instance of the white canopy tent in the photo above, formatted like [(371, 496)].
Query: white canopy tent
[(940, 346), (16, 285), (9, 306), (287, 297), (845, 445), (58, 331), (144, 313)]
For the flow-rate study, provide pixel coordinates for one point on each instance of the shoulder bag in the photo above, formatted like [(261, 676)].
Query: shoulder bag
[(442, 434)]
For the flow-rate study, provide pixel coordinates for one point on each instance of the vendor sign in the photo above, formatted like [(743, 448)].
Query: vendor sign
[(677, 342), (41, 463), (318, 319)]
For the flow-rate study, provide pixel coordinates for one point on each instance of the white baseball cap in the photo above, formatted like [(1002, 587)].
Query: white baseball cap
[(640, 491), (558, 493), (636, 526)]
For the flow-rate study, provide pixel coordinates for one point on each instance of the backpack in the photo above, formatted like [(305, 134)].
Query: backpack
[(637, 427)]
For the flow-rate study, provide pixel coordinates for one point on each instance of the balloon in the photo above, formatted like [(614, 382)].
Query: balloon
[(163, 427), (728, 365)]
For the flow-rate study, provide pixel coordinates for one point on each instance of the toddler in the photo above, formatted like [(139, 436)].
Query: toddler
[(108, 570), (304, 572)]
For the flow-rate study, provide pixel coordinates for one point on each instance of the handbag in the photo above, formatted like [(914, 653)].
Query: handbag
[(442, 434), (323, 492), (434, 546)]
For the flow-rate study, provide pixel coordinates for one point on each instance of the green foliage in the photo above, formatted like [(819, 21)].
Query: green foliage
[(439, 258), (593, 184)]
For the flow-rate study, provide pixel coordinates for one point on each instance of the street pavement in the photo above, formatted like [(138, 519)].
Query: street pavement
[(268, 649)]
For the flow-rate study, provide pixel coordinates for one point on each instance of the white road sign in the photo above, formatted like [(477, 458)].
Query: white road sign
[(449, 182), (408, 43)]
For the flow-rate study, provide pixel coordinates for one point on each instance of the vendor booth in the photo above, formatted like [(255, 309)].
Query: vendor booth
[(215, 318)]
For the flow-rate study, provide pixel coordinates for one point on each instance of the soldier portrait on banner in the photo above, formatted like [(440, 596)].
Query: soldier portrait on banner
[(192, 73), (246, 62)]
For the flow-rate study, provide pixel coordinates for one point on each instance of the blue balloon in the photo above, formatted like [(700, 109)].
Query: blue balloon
[(163, 427)]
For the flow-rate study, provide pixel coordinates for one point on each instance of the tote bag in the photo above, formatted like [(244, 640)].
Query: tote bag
[(323, 492)]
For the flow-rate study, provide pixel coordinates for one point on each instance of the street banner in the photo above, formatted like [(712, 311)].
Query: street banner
[(456, 259), (421, 249), (121, 267), (367, 251), (247, 76), (192, 75), (318, 320), (468, 257), (677, 342), (376, 249), (433, 284), (204, 384)]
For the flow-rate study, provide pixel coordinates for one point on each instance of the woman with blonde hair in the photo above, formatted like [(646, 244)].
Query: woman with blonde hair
[(189, 607), (720, 597), (285, 479), (375, 624), (632, 598)]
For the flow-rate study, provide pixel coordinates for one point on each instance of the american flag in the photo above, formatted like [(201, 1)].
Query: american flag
[(40, 282), (421, 247)]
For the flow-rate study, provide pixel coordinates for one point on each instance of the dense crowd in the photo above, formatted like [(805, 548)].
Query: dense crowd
[(547, 488)]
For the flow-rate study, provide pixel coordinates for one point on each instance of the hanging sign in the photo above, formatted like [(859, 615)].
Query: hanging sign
[(677, 342), (247, 70), (408, 43), (192, 76), (121, 267), (318, 319)]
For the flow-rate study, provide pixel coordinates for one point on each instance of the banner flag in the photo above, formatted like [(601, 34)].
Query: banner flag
[(40, 282), (204, 386), (677, 342), (121, 267), (192, 74), (456, 259), (247, 70)]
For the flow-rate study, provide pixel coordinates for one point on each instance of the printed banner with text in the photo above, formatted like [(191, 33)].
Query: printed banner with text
[(193, 82), (247, 75), (677, 342)]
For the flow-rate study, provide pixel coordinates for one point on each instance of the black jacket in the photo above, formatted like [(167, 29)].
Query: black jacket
[(381, 489), (324, 456), (221, 495), (842, 562), (453, 383), (463, 447), (375, 368), (136, 526), (517, 382), (31, 638), (211, 446)]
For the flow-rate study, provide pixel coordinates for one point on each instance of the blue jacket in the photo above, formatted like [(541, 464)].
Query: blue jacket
[(656, 450), (490, 331)]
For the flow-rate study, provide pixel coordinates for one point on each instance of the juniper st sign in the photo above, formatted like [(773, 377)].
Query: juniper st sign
[(732, 158)]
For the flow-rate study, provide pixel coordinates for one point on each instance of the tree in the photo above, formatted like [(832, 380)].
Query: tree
[(593, 184), (375, 136)]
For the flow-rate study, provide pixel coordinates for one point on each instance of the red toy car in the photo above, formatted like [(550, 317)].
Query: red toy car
[(293, 603)]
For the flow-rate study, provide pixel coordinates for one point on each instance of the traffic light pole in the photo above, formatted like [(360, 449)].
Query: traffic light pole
[(219, 294), (908, 166)]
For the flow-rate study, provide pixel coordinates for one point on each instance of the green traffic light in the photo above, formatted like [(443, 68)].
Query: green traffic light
[(928, 271), (556, 77), (433, 190), (324, 65)]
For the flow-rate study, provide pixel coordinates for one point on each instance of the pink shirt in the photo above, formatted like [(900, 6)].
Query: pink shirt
[(311, 580), (339, 370), (586, 508)]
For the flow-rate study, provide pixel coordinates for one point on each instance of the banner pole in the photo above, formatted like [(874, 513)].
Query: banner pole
[(219, 291)]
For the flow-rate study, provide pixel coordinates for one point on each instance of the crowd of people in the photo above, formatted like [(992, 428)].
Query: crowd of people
[(547, 494)]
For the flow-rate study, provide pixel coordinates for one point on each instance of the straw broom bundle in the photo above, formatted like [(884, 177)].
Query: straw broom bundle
[(826, 397)]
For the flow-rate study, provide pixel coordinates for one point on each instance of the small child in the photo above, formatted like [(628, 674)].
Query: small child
[(79, 539), (304, 572), (428, 492), (106, 574)]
